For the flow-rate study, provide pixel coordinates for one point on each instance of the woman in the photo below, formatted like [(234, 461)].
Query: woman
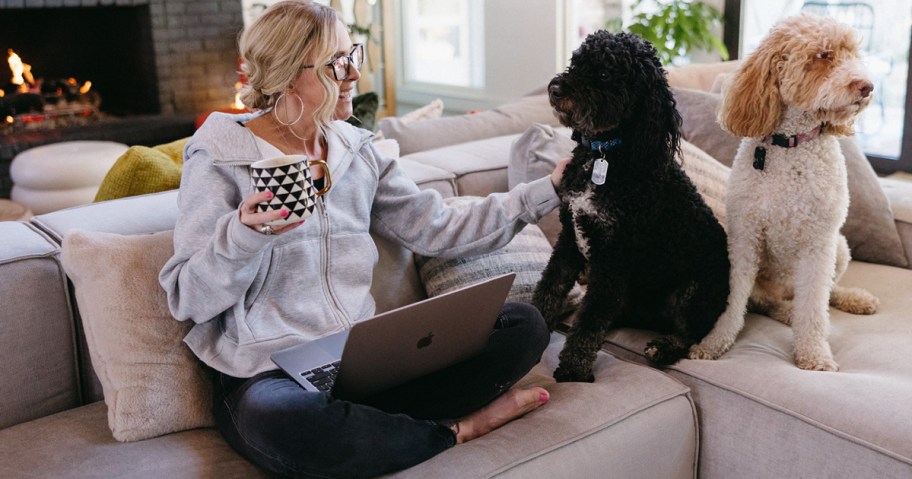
[(252, 290)]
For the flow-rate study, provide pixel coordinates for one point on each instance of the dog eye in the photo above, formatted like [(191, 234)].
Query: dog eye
[(825, 56)]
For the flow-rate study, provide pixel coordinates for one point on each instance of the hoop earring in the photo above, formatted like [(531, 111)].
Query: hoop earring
[(276, 107)]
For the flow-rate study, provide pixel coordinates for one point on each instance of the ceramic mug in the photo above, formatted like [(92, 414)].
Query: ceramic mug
[(288, 177)]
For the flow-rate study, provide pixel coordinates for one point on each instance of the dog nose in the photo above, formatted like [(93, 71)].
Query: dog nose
[(554, 89), (864, 87)]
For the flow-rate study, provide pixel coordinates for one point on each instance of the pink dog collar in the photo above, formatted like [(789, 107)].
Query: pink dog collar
[(779, 139)]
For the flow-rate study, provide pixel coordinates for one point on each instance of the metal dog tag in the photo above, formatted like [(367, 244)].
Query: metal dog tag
[(599, 171)]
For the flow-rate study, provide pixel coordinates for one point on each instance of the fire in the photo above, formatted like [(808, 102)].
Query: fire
[(22, 72)]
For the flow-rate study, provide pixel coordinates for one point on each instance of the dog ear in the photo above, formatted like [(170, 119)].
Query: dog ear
[(751, 104)]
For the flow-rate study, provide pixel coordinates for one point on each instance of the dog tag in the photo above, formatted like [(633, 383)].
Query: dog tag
[(599, 171), (759, 157)]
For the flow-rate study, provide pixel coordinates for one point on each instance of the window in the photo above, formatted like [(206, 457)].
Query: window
[(442, 42), (883, 129)]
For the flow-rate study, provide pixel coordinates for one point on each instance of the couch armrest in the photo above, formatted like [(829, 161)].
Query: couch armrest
[(899, 192), (38, 371)]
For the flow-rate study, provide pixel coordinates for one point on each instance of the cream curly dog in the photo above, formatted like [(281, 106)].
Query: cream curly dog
[(787, 193)]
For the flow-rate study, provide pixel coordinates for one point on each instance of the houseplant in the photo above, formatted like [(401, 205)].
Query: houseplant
[(675, 28)]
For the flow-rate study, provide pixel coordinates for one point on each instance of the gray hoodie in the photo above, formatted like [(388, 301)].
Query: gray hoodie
[(251, 294)]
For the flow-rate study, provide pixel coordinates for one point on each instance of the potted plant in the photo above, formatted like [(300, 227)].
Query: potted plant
[(675, 28)]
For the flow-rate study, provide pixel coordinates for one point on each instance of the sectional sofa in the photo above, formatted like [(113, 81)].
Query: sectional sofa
[(95, 382)]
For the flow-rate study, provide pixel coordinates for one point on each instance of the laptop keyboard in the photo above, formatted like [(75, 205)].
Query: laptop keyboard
[(323, 377)]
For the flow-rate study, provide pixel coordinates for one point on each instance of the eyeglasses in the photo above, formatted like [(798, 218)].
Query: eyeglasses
[(342, 65)]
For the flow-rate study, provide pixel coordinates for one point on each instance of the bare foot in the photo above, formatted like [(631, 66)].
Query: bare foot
[(511, 405)]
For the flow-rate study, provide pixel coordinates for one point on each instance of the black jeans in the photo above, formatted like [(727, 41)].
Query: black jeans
[(276, 424)]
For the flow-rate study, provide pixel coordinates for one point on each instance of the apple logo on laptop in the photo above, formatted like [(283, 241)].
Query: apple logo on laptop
[(426, 341)]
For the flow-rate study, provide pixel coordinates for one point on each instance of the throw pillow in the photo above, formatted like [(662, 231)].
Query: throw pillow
[(364, 110), (430, 111), (708, 175), (869, 228), (142, 170), (698, 111), (526, 255), (510, 118), (534, 155), (152, 382)]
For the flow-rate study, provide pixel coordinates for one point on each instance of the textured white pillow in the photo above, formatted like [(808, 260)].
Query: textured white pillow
[(709, 176), (526, 255), (152, 382)]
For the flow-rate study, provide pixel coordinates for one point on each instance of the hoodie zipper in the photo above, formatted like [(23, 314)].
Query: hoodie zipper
[(327, 284)]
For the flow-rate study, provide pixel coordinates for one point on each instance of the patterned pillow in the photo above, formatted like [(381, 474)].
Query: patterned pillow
[(526, 255)]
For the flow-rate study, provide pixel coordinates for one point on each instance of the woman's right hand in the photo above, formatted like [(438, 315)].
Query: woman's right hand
[(256, 221)]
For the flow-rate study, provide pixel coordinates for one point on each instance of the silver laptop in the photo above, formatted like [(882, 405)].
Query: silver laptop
[(399, 345)]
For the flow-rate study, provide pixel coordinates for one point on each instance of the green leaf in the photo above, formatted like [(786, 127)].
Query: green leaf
[(678, 27)]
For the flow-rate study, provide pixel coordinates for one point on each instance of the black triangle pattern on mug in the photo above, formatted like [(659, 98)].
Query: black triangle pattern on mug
[(290, 186)]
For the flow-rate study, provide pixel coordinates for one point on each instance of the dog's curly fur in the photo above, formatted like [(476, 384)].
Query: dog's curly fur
[(785, 248), (655, 254)]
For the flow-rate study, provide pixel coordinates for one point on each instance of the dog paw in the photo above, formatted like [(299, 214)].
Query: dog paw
[(698, 351), (814, 355), (564, 375), (665, 350), (854, 300), (820, 363)]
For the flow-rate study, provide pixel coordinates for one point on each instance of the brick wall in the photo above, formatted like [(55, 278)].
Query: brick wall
[(195, 43)]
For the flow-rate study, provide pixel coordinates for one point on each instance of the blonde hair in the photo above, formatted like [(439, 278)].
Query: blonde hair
[(276, 46)]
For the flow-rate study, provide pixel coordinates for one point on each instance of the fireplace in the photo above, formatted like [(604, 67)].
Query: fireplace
[(109, 46), (154, 65)]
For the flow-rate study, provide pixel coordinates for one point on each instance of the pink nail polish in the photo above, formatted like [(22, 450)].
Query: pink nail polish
[(285, 213), (543, 398), (269, 195)]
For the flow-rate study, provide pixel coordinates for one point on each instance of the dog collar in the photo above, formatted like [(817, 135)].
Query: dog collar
[(600, 166), (779, 139), (783, 141), (599, 145)]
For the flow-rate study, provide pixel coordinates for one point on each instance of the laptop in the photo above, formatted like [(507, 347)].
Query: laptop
[(399, 345)]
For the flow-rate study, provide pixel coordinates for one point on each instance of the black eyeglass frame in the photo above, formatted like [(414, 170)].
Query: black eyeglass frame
[(348, 61)]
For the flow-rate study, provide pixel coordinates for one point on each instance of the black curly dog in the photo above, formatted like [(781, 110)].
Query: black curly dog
[(656, 255)]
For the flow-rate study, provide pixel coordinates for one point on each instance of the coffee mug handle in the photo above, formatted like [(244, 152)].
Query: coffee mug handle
[(327, 179)]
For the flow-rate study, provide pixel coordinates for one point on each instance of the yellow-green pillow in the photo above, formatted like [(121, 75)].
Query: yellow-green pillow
[(142, 170)]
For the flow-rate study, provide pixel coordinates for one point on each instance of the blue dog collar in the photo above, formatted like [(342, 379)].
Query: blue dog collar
[(604, 146)]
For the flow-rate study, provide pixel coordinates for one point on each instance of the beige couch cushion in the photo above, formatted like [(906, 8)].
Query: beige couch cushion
[(507, 119), (898, 188), (632, 422), (477, 167), (152, 383), (40, 374), (77, 443), (850, 423)]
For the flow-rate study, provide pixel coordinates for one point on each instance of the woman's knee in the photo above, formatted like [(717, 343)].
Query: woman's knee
[(528, 318)]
